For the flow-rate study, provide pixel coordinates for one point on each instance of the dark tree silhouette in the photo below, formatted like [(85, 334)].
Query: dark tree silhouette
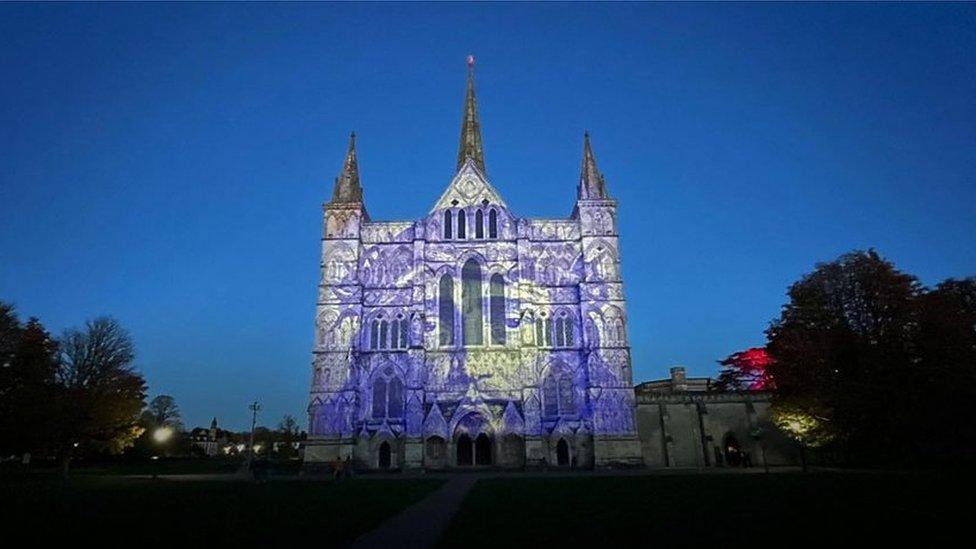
[(102, 394), (164, 411), (867, 359), (27, 390)]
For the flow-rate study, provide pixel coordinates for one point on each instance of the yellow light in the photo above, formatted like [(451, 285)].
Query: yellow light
[(162, 434)]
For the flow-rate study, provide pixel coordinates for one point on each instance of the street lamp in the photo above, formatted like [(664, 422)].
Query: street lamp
[(160, 436)]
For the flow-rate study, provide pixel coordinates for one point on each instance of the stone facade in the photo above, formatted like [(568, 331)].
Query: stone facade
[(472, 336), (686, 423)]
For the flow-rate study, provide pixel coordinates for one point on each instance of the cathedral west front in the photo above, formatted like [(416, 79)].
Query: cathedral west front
[(472, 336)]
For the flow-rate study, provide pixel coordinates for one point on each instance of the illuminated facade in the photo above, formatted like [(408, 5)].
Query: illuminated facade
[(471, 336)]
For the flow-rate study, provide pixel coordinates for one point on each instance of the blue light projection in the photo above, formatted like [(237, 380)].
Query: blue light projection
[(471, 336)]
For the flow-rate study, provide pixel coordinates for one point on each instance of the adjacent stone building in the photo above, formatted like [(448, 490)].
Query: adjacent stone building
[(684, 422)]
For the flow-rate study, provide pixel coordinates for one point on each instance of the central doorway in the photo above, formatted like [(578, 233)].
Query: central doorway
[(385, 452), (465, 455), (482, 450), (562, 453)]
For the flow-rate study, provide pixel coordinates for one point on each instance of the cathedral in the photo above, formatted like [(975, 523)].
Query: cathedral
[(472, 336)]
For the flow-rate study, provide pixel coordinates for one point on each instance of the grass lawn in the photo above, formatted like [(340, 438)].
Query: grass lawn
[(717, 510), (103, 508)]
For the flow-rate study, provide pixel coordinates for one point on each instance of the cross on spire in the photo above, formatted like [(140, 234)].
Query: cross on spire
[(470, 144)]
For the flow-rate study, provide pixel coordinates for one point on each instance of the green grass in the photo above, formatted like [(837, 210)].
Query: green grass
[(712, 510), (103, 508)]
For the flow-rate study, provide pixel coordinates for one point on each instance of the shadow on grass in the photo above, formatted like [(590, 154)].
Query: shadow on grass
[(101, 508), (712, 510)]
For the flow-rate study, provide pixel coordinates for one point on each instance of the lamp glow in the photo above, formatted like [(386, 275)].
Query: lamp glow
[(162, 434)]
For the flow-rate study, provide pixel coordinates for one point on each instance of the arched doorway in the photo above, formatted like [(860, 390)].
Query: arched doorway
[(465, 453), (435, 452), (385, 455), (512, 452), (562, 453), (482, 450), (733, 453)]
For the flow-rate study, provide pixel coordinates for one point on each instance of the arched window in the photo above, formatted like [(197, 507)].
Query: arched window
[(479, 224), (543, 331), (446, 310), (566, 400), (379, 398), (497, 309), (403, 332), (374, 334), (558, 395), (395, 403), (564, 330), (462, 224), (448, 221), (492, 224), (549, 397), (384, 328), (471, 310), (394, 333)]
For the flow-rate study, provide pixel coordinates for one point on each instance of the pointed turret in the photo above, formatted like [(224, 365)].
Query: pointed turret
[(591, 184), (470, 146), (347, 189)]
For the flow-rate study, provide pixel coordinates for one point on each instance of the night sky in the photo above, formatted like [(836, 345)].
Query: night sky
[(166, 164)]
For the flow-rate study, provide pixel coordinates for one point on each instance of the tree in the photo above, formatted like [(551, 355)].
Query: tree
[(26, 383), (164, 411), (287, 435), (843, 354), (101, 393), (745, 371), (946, 349)]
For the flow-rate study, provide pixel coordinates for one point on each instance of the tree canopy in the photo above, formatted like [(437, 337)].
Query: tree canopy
[(866, 359)]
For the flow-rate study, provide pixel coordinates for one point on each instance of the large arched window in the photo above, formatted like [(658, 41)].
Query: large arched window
[(550, 400), (379, 398), (446, 310), (566, 400), (387, 397), (492, 224), (471, 304), (497, 309), (479, 224), (558, 395), (448, 221), (394, 408), (462, 224)]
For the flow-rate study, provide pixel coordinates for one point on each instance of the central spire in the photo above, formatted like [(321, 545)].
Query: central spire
[(470, 145)]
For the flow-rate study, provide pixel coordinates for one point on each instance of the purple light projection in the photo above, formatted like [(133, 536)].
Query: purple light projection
[(471, 336)]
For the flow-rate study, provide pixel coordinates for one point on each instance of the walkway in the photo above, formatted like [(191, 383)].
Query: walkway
[(423, 523)]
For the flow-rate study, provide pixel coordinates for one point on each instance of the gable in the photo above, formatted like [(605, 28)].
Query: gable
[(468, 188)]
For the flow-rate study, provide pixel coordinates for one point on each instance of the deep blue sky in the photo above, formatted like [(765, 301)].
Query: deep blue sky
[(165, 164)]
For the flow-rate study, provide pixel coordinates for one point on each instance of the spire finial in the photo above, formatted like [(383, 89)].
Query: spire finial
[(591, 183), (470, 145), (347, 187)]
